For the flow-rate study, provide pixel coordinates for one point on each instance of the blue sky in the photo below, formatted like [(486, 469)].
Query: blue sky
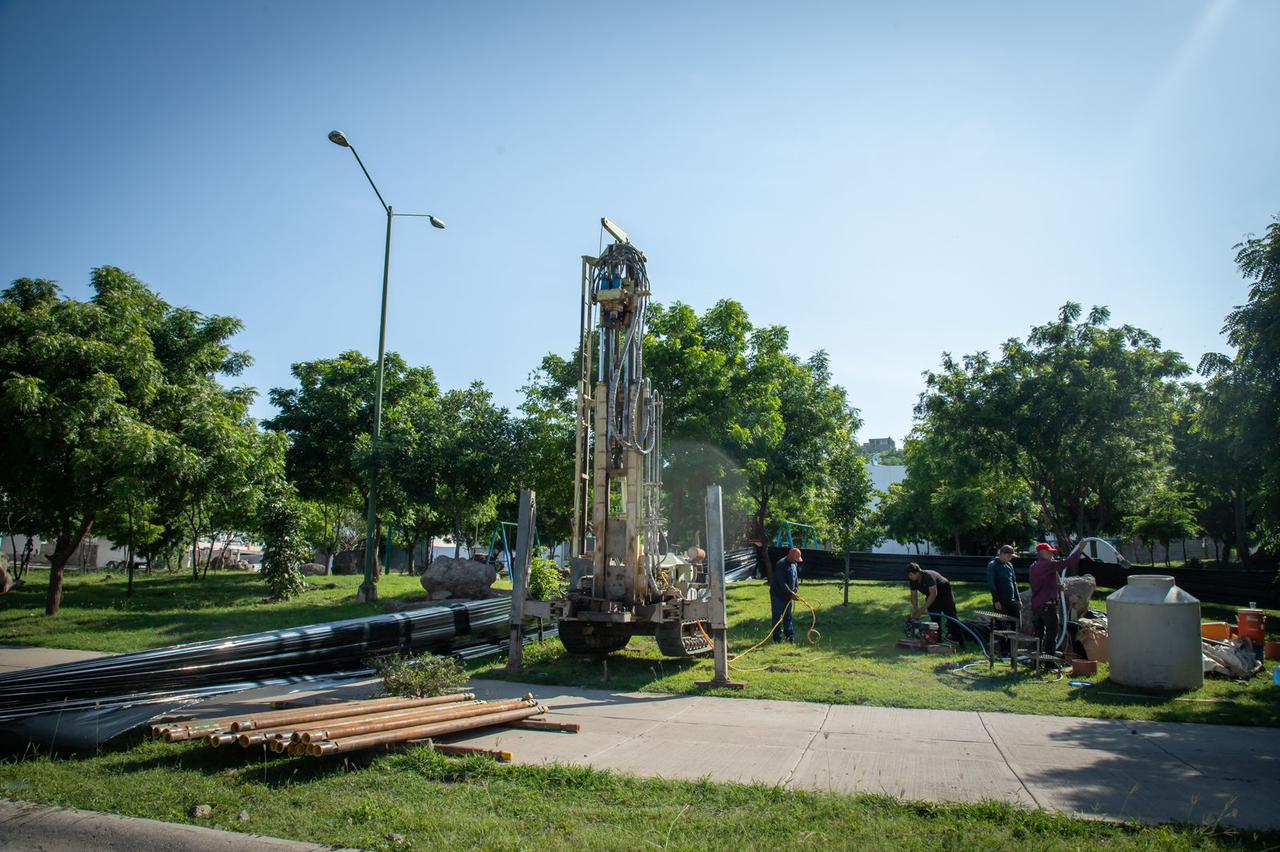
[(889, 181)]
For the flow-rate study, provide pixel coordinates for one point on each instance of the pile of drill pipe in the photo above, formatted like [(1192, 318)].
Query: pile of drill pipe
[(352, 725), (248, 660)]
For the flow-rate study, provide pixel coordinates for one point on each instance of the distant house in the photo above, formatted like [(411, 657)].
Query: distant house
[(879, 445)]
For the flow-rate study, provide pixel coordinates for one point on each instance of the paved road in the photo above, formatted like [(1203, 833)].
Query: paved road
[(1149, 771)]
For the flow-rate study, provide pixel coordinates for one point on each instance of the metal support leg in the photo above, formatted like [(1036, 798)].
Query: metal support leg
[(520, 579), (716, 593)]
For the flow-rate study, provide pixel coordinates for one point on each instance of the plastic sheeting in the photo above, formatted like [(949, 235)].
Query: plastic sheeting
[(81, 704)]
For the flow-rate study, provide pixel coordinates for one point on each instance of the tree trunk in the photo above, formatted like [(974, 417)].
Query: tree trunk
[(1242, 536), (1217, 551), (64, 546), (413, 545), (1184, 551), (457, 534), (1226, 553)]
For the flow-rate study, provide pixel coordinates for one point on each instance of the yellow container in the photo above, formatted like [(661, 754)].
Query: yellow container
[(1217, 630)]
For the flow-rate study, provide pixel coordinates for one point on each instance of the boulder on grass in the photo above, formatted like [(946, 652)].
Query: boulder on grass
[(349, 561), (461, 578), (312, 569)]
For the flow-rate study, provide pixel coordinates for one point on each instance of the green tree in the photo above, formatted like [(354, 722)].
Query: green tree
[(544, 436), (477, 467), (284, 540), (1166, 514), (1203, 459), (329, 421), (1245, 389), (962, 501), (848, 524), (1078, 411), (84, 393)]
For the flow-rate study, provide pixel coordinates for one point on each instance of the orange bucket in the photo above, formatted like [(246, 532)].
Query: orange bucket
[(1253, 624), (1219, 631)]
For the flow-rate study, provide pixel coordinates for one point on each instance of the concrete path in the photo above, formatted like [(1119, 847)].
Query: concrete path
[(1148, 771), (16, 657), (28, 828)]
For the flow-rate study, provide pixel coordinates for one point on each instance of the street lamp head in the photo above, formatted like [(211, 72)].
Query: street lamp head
[(436, 223), (336, 137)]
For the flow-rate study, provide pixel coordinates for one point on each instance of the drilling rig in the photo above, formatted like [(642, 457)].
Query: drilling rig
[(624, 581)]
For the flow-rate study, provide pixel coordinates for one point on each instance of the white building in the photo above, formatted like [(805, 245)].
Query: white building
[(882, 476)]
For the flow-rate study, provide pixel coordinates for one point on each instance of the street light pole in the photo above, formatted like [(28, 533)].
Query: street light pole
[(369, 588)]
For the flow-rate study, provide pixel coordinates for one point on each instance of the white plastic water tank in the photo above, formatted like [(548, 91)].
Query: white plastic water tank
[(1154, 632)]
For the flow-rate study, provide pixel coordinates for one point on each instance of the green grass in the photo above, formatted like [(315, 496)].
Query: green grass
[(434, 802), (856, 663), (166, 609)]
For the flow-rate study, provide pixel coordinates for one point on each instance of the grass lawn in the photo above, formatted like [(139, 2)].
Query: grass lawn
[(435, 802), (854, 663), (168, 609)]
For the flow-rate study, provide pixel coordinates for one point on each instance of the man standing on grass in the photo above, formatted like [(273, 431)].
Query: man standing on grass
[(1003, 585), (1045, 586), (782, 591), (937, 598)]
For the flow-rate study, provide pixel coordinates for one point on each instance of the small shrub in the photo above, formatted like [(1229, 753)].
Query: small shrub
[(284, 545), (544, 579), (427, 676)]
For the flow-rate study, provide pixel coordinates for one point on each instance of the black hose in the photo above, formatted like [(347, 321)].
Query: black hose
[(982, 645)]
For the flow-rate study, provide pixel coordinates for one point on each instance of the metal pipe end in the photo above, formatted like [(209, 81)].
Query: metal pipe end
[(528, 696), (245, 740), (297, 749), (318, 749)]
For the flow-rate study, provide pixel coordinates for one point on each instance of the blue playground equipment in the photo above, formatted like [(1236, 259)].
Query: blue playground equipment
[(500, 532), (792, 534)]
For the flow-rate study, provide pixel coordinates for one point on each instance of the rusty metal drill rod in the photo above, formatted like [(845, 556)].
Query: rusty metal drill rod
[(355, 743)]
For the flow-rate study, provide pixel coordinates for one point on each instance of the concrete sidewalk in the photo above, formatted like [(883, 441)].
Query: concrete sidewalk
[(18, 657), (1148, 771), (27, 827)]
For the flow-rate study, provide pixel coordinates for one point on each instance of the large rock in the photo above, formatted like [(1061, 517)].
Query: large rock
[(349, 561), (312, 569), (1079, 594), (461, 578)]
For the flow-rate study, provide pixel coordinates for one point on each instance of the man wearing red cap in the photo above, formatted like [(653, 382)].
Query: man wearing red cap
[(782, 591), (1045, 585)]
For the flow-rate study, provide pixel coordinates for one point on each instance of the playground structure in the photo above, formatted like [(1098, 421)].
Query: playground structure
[(787, 536)]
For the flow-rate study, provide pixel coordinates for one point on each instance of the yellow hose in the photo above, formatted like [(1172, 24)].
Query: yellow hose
[(813, 635)]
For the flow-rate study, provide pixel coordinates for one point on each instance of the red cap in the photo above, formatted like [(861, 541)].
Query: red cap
[(793, 555), (1044, 547)]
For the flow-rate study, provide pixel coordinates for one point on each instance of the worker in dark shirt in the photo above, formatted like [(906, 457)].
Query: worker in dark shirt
[(783, 586), (937, 598), (1003, 585), (1046, 582)]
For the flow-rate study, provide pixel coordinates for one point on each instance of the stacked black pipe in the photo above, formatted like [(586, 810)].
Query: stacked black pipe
[(243, 661)]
